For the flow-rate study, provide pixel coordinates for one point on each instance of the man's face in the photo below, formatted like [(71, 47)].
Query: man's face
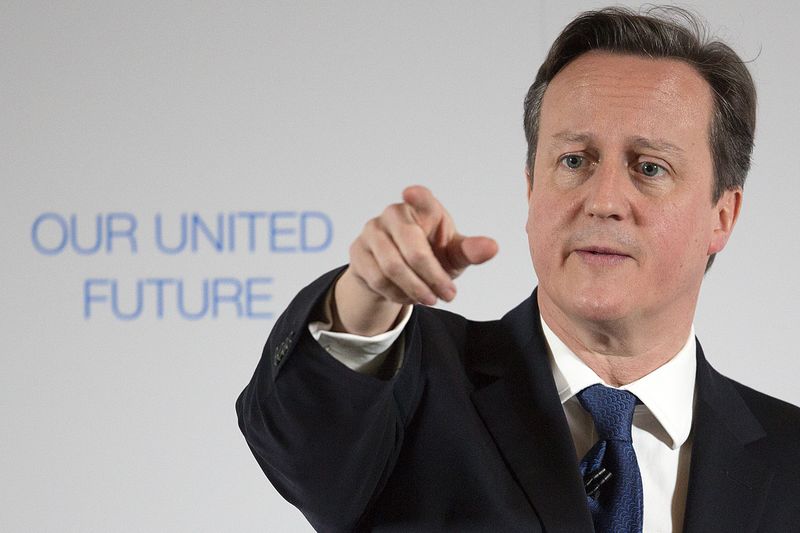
[(620, 220)]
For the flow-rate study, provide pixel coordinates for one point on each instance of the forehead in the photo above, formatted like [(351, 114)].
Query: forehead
[(628, 94)]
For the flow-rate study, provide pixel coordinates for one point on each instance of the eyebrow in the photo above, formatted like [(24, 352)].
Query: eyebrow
[(570, 136), (660, 145)]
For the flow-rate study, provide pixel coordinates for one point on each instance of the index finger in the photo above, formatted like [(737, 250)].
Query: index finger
[(427, 209)]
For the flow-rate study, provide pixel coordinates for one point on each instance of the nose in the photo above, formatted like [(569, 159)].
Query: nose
[(607, 192)]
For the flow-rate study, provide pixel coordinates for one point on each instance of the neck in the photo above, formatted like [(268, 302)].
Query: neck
[(619, 351)]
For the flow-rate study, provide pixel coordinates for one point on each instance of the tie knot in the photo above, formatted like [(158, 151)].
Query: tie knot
[(611, 410)]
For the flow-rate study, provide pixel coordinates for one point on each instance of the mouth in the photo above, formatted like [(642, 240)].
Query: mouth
[(599, 255)]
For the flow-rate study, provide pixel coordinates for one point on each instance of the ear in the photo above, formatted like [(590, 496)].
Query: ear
[(528, 181), (725, 214)]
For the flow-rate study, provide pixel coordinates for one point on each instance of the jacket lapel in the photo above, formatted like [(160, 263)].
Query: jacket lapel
[(728, 478), (518, 402)]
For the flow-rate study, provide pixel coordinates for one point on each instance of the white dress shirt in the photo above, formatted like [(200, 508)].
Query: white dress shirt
[(661, 424)]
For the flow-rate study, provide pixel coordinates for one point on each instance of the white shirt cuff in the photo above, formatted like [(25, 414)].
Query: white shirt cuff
[(359, 353)]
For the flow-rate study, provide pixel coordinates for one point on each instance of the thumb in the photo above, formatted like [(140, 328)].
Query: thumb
[(465, 251)]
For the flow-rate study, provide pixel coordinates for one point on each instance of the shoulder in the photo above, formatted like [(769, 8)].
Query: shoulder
[(772, 424), (443, 331), (482, 350), (780, 419), (457, 327), (749, 413)]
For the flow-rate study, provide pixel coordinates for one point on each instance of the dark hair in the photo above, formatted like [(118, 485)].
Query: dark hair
[(663, 32)]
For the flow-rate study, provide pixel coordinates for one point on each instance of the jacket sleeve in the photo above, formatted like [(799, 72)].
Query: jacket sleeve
[(326, 437)]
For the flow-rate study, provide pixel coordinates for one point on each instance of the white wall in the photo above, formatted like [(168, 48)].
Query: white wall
[(139, 109)]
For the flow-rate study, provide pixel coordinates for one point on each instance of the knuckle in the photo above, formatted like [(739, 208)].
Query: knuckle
[(355, 249), (372, 225), (410, 232), (418, 257), (375, 280), (359, 272), (393, 268), (393, 210)]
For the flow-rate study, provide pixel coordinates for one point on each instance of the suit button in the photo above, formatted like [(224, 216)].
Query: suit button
[(282, 349)]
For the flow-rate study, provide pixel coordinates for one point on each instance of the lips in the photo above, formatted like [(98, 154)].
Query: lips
[(600, 250), (601, 255), (597, 245)]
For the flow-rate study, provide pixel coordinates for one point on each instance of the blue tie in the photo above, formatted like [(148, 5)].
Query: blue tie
[(615, 500)]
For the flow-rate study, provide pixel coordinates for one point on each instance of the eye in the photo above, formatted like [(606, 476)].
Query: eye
[(651, 170), (572, 161)]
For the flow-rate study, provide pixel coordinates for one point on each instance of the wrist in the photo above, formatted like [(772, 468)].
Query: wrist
[(359, 310)]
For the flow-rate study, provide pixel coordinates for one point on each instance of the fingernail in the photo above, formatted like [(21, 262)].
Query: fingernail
[(448, 293)]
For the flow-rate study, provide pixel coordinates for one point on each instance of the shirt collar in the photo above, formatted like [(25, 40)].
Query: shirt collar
[(668, 391)]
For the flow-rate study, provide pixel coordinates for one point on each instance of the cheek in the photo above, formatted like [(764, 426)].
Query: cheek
[(539, 220), (543, 227), (679, 243)]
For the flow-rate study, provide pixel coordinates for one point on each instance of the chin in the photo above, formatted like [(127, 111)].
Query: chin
[(597, 305)]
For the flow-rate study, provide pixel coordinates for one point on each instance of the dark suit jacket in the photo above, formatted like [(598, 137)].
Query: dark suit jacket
[(470, 435)]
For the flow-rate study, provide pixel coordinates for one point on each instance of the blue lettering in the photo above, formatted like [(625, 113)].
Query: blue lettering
[(159, 284), (251, 217), (98, 240), (246, 298), (127, 231), (276, 231), (160, 236), (231, 232), (198, 224), (88, 297), (311, 215), (182, 305), (252, 296), (218, 297), (115, 302), (36, 239)]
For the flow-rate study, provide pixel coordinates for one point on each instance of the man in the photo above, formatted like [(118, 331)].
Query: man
[(588, 407)]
